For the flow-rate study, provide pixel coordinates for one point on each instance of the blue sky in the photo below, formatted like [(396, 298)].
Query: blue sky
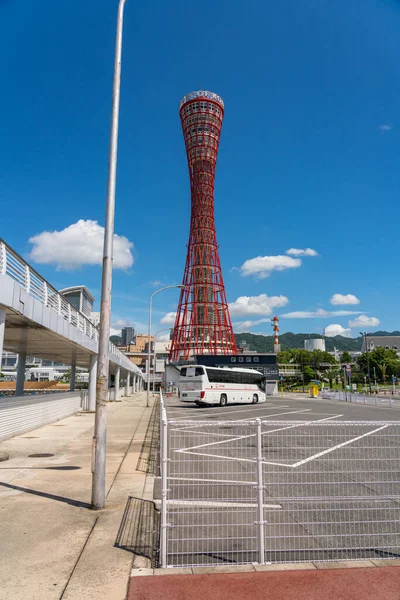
[(309, 153)]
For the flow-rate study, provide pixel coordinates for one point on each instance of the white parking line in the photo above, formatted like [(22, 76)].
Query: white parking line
[(241, 437), (306, 460), (265, 462), (225, 412), (218, 504), (192, 480)]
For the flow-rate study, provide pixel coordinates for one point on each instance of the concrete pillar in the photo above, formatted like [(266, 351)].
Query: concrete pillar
[(127, 384), (72, 378), (2, 331), (116, 383), (92, 381), (19, 388)]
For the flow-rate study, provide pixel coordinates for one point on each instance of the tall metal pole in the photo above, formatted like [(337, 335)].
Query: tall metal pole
[(155, 355), (366, 350), (167, 287), (100, 427)]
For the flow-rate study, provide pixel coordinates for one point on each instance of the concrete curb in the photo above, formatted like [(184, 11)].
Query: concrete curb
[(256, 568)]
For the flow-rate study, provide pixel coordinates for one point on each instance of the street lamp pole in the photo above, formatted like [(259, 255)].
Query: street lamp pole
[(167, 287), (100, 427), (364, 334), (155, 355)]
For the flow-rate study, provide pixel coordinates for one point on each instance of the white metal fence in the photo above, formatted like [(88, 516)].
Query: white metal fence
[(388, 401), (240, 492)]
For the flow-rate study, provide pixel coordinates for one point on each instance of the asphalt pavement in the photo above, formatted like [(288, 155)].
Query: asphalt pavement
[(329, 474)]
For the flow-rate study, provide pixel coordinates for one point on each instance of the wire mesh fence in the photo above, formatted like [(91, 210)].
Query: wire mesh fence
[(239, 492)]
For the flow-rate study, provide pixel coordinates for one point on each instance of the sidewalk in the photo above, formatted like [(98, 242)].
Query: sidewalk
[(53, 546)]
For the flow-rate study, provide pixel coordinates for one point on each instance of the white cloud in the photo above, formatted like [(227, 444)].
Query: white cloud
[(338, 299), (262, 266), (301, 252), (335, 329), (364, 321), (79, 244), (256, 305), (163, 337), (118, 324), (155, 283), (385, 127), (246, 325), (320, 313), (168, 319)]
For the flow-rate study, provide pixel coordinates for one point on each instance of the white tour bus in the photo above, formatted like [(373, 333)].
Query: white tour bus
[(221, 385)]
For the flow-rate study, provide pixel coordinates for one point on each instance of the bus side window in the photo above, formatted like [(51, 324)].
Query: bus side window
[(183, 372)]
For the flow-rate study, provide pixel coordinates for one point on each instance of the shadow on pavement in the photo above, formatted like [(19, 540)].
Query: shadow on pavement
[(70, 501)]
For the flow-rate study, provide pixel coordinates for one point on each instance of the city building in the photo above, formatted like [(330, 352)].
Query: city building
[(81, 299), (314, 344), (37, 369), (203, 323), (137, 352), (390, 342), (128, 335)]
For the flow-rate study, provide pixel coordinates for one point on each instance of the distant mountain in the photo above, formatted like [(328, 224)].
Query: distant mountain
[(265, 343), (389, 333), (115, 339)]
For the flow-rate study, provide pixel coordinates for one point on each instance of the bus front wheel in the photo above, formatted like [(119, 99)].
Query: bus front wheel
[(255, 399), (223, 401)]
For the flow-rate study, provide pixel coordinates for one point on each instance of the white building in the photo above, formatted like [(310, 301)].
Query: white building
[(314, 344)]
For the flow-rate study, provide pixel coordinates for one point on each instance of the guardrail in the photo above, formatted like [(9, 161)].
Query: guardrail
[(15, 267), (236, 492), (368, 399)]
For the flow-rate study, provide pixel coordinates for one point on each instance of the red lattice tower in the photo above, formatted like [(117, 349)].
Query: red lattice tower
[(203, 324)]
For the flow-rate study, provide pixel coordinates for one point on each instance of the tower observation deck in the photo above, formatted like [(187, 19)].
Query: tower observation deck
[(203, 324)]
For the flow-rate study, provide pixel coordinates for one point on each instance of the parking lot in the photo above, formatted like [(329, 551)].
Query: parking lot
[(330, 479)]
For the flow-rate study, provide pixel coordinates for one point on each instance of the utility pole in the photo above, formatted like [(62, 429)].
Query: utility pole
[(367, 353), (167, 287), (99, 445)]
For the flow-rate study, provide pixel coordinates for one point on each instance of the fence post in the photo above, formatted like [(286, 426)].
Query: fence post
[(164, 489), (260, 497), (45, 294), (3, 259), (27, 279)]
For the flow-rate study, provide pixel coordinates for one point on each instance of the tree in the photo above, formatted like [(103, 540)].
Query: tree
[(385, 360), (382, 367), (308, 374), (346, 358), (284, 357), (332, 374)]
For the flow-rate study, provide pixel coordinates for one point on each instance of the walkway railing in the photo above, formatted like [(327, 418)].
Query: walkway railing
[(35, 285), (15, 267)]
